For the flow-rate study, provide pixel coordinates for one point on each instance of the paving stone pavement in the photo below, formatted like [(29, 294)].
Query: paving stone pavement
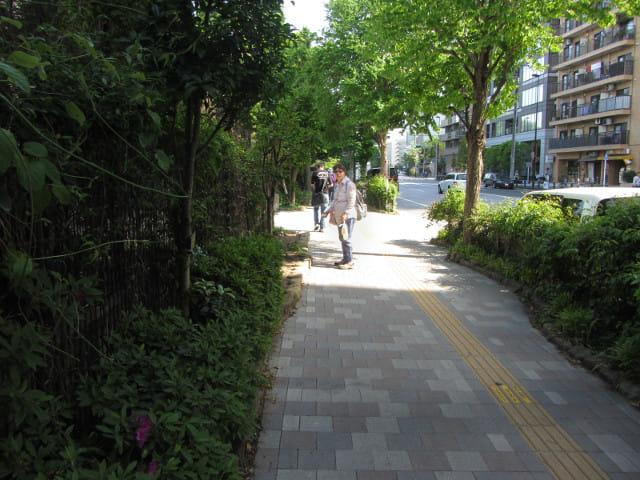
[(367, 387)]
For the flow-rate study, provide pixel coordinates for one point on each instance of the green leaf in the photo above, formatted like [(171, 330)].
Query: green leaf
[(23, 59), (11, 21), (16, 77), (86, 44), (146, 139), (31, 174), (8, 150), (41, 199), (52, 171), (35, 149), (164, 162), (22, 264), (74, 112), (155, 117), (62, 193)]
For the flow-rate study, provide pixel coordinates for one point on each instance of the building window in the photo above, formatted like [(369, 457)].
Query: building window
[(532, 96), (508, 127), (598, 40), (564, 108), (528, 122), (593, 131)]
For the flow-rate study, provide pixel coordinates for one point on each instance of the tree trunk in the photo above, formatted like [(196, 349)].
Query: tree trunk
[(476, 142), (292, 185), (381, 141), (185, 232), (270, 192)]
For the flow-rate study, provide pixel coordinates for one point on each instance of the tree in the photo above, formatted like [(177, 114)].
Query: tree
[(358, 76), (286, 129), (217, 58), (459, 56)]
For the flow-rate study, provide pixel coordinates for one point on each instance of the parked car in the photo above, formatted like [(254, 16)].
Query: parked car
[(393, 174), (452, 180), (489, 179), (585, 202), (502, 182)]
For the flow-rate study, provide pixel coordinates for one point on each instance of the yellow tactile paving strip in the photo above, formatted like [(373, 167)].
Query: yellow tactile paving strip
[(559, 452)]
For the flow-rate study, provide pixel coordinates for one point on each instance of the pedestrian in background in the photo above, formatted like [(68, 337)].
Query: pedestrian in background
[(333, 183), (320, 183), (342, 211)]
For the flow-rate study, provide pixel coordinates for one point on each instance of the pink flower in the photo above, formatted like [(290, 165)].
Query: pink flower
[(153, 467), (145, 426)]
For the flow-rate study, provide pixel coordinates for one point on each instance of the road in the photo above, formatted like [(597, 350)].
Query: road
[(419, 193)]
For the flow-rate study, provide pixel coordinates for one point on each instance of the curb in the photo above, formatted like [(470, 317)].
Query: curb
[(297, 262)]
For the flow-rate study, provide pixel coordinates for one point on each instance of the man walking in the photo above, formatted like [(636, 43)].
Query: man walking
[(320, 183)]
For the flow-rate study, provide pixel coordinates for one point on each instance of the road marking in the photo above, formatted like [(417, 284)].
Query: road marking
[(558, 451), (411, 201)]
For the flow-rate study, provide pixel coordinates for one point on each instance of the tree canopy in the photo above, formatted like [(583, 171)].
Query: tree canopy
[(459, 57)]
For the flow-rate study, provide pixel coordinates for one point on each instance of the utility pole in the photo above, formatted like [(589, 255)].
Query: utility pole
[(534, 155), (514, 126)]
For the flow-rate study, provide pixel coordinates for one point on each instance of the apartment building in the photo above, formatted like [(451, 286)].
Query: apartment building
[(528, 121), (595, 114), (452, 135)]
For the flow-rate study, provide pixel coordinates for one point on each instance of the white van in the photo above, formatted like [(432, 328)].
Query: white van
[(585, 202)]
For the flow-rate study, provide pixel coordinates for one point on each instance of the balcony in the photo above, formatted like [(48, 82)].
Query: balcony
[(586, 48), (591, 142), (453, 134), (620, 105), (593, 77)]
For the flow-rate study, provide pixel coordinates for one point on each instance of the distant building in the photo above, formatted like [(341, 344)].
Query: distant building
[(596, 116), (529, 118), (452, 134)]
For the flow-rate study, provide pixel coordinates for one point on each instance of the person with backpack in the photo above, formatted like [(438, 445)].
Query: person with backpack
[(333, 183), (342, 211), (320, 183)]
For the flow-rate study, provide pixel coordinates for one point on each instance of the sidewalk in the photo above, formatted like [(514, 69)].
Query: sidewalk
[(411, 367)]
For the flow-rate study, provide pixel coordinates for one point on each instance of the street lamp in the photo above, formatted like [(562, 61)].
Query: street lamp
[(512, 163), (535, 132)]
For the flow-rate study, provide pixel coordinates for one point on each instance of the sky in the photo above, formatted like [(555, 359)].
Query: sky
[(306, 13)]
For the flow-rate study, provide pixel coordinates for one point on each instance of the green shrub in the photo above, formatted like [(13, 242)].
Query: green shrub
[(40, 309), (173, 395), (588, 272), (382, 194), (244, 275), (628, 175), (34, 423), (449, 209), (626, 352)]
